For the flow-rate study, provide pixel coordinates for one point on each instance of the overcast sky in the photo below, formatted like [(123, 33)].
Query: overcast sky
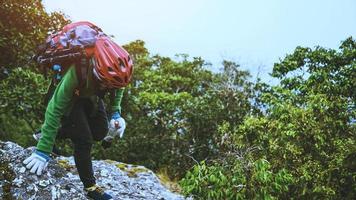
[(254, 33)]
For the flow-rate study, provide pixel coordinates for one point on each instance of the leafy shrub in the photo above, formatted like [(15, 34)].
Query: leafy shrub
[(306, 136), (22, 104), (239, 180)]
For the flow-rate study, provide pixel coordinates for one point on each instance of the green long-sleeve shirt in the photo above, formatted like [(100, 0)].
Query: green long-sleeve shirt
[(61, 104)]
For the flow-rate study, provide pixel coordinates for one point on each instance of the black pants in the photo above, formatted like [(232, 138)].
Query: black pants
[(83, 126)]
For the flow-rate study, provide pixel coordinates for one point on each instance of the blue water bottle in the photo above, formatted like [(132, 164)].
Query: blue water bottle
[(57, 69)]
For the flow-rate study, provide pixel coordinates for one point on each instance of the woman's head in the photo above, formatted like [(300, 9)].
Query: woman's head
[(113, 66)]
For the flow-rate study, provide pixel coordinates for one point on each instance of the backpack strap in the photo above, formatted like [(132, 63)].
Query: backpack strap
[(81, 69)]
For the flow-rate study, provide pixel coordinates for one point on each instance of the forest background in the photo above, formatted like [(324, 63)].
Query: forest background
[(219, 134)]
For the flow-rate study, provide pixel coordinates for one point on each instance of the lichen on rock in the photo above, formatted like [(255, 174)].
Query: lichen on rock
[(61, 180), (6, 177)]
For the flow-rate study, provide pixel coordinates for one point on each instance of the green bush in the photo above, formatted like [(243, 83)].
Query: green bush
[(24, 24), (240, 179), (306, 135), (22, 105), (316, 151)]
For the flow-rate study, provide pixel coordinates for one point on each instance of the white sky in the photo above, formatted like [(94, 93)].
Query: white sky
[(254, 33)]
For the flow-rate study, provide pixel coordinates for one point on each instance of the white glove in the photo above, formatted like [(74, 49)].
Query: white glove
[(117, 125), (37, 162)]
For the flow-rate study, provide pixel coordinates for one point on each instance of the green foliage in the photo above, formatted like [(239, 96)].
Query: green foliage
[(21, 104), (173, 108), (320, 71), (305, 139), (314, 150), (20, 99), (24, 25), (240, 179)]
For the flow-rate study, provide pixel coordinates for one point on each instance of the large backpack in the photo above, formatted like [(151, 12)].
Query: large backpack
[(75, 43)]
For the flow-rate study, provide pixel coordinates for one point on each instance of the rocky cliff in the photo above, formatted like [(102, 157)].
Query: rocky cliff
[(60, 180)]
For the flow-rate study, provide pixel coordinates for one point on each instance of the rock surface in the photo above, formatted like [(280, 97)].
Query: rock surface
[(61, 181)]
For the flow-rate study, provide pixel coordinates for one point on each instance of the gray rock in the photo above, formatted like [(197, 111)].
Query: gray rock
[(60, 180), (22, 169)]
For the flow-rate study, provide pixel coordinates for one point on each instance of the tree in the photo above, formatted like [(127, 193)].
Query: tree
[(303, 145), (174, 107), (24, 24)]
